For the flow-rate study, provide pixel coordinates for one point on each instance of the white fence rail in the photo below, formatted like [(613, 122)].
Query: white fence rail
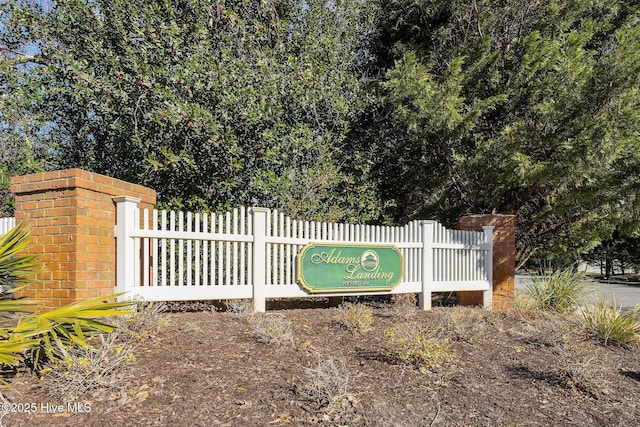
[(251, 253), (6, 224)]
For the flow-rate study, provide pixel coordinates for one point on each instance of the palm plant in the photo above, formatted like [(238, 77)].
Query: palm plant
[(14, 267), (32, 337)]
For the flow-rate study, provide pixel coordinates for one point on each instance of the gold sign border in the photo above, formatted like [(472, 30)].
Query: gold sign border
[(309, 289)]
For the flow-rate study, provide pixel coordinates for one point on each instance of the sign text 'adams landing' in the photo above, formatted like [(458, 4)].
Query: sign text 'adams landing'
[(349, 267)]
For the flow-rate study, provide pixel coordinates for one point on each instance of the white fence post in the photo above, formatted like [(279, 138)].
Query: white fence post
[(259, 258), (427, 264), (487, 296), (126, 254)]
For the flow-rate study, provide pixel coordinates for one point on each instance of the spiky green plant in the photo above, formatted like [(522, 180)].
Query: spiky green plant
[(559, 291), (14, 267), (610, 323), (33, 337)]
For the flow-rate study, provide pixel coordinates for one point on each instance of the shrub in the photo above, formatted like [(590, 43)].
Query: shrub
[(413, 343), (354, 317), (239, 307), (36, 336), (524, 305), (404, 300), (404, 311), (107, 363), (611, 324), (467, 323), (272, 329), (522, 302), (77, 370), (325, 384), (558, 292), (145, 321)]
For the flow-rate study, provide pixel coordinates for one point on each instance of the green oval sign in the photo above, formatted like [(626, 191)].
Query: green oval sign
[(349, 267)]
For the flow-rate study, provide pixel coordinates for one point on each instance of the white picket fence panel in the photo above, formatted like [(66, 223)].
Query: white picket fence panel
[(6, 224), (251, 253)]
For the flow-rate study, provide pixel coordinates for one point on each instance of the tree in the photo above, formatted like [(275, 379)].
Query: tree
[(23, 148), (528, 108), (620, 253), (213, 104)]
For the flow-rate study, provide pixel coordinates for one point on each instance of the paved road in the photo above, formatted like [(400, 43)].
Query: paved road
[(627, 296)]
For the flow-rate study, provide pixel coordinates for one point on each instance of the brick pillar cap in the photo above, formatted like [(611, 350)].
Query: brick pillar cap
[(77, 178)]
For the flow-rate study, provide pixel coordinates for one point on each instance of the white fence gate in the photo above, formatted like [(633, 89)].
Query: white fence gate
[(251, 253)]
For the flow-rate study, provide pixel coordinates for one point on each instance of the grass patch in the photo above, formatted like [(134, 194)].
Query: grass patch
[(468, 324), (609, 323), (525, 306), (560, 292)]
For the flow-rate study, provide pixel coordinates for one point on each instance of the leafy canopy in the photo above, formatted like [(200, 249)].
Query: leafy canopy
[(527, 108), (213, 104), (343, 110)]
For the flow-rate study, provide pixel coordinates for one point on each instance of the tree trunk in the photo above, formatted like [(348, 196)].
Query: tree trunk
[(607, 262)]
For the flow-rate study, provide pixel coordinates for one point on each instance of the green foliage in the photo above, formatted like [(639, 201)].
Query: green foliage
[(342, 110), (356, 318), (213, 104), (413, 343), (523, 108), (620, 254), (14, 267), (35, 337), (25, 146), (67, 326), (559, 291), (611, 324)]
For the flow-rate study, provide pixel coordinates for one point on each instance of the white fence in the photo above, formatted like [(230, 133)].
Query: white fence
[(6, 224), (251, 253)]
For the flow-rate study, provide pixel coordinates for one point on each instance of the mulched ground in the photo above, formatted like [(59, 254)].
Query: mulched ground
[(208, 368)]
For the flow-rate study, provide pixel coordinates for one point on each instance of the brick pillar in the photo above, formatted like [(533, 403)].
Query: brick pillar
[(72, 216), (504, 258)]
